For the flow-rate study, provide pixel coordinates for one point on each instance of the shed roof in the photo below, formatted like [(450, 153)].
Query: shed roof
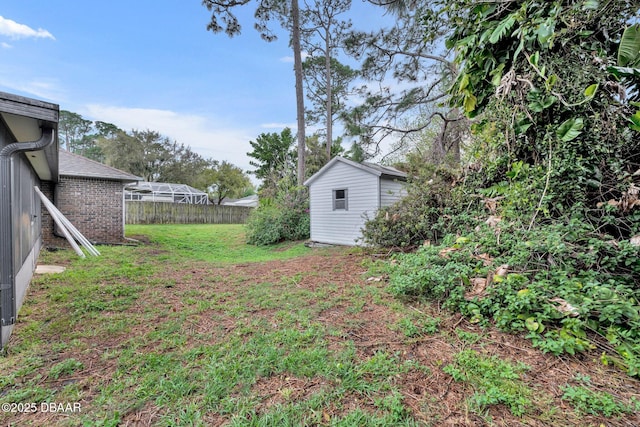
[(378, 170), (25, 118), (78, 166)]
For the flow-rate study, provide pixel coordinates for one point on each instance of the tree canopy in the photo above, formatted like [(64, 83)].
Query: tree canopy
[(225, 180), (150, 155), (273, 157), (74, 131), (326, 78), (406, 76)]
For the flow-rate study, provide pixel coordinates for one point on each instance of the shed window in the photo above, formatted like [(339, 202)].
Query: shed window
[(340, 200)]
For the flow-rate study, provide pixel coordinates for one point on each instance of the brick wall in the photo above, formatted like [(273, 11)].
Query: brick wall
[(48, 239), (94, 207)]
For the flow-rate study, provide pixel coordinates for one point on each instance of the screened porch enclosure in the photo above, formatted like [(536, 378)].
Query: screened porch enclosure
[(165, 192)]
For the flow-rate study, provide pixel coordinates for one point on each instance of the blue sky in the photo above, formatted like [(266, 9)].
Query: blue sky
[(149, 64)]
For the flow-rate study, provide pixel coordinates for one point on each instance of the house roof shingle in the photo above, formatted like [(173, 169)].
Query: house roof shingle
[(78, 166)]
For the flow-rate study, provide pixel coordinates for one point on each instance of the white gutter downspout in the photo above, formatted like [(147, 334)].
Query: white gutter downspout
[(7, 286)]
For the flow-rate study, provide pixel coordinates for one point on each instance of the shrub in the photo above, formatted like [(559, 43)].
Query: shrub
[(564, 284), (285, 217), (413, 219)]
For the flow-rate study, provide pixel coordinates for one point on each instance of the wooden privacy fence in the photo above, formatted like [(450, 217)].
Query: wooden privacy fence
[(183, 213)]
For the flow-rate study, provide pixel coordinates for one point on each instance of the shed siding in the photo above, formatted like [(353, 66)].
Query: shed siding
[(342, 227), (391, 191)]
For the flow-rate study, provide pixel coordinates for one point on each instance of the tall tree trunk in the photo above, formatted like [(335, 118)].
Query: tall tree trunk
[(327, 78), (437, 147), (297, 58)]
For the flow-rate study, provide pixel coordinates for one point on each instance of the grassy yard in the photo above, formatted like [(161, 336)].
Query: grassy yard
[(221, 244), (194, 328)]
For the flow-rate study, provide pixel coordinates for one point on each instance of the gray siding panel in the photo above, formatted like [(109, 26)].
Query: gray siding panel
[(25, 210), (391, 191), (342, 227), (25, 226)]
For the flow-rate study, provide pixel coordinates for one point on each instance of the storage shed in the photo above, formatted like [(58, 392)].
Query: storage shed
[(344, 193), (28, 158)]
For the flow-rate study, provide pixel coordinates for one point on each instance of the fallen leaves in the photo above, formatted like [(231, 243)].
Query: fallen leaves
[(491, 204), (444, 252), (479, 285), (485, 258), (478, 288), (564, 307), (628, 201), (493, 221), (502, 270)]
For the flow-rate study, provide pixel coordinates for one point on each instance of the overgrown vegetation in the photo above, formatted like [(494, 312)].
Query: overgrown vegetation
[(283, 213), (415, 218), (587, 401), (538, 232), (284, 217)]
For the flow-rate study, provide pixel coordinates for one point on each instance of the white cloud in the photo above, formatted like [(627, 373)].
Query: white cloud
[(206, 136), (304, 55), (44, 88), (279, 125), (5, 45), (15, 30)]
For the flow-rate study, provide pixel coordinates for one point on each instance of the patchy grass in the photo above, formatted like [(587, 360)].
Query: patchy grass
[(493, 381), (587, 399), (224, 244), (167, 334)]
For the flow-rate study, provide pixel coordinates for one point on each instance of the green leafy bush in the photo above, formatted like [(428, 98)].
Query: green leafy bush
[(413, 219), (285, 217), (564, 285)]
